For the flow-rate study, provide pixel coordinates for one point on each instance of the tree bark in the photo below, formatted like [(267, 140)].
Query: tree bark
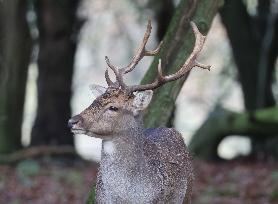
[(177, 45), (261, 123), (15, 48), (163, 12), (246, 36), (58, 27)]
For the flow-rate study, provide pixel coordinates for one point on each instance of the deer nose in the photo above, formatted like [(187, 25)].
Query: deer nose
[(73, 121)]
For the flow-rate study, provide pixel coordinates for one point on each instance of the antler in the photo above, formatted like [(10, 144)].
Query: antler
[(160, 80), (187, 66), (141, 52)]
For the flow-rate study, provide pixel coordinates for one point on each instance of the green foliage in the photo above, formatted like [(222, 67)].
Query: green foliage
[(71, 177), (74, 178), (2, 182), (26, 170), (274, 176), (228, 190), (92, 196), (274, 195), (15, 201)]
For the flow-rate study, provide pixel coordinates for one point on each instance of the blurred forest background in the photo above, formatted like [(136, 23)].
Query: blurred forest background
[(52, 50)]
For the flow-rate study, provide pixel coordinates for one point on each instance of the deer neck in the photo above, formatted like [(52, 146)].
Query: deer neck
[(125, 145)]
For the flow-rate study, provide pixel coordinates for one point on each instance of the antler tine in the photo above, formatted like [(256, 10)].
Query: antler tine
[(199, 43), (187, 66), (117, 72), (109, 82), (141, 52)]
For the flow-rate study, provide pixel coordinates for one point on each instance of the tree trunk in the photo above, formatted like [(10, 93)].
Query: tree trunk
[(246, 36), (58, 28), (255, 52), (15, 47), (177, 45), (163, 12)]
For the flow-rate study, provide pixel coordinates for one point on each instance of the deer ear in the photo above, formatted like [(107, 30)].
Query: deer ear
[(97, 90), (142, 100)]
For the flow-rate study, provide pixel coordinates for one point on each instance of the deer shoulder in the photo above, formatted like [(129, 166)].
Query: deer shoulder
[(166, 150)]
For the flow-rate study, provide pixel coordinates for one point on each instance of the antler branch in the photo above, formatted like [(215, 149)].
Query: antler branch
[(186, 67), (141, 52), (109, 82), (118, 73), (160, 80)]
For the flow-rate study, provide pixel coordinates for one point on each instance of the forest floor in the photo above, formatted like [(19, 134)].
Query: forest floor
[(52, 181)]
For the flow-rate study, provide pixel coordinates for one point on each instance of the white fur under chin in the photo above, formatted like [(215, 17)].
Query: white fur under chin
[(109, 147)]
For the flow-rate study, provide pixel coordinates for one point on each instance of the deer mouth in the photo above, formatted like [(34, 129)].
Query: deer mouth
[(78, 131)]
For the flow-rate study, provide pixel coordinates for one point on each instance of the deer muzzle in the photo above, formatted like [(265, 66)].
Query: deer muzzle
[(75, 124)]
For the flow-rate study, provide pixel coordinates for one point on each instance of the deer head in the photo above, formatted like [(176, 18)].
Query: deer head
[(118, 107)]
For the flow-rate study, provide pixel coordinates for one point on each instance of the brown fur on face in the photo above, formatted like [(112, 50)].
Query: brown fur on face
[(100, 120)]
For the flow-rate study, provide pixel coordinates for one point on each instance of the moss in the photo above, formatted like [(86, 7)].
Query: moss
[(177, 45), (260, 123)]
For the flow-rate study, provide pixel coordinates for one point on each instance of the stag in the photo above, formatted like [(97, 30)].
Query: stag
[(138, 165)]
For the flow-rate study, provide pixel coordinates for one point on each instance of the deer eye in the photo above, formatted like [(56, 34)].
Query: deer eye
[(113, 108)]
